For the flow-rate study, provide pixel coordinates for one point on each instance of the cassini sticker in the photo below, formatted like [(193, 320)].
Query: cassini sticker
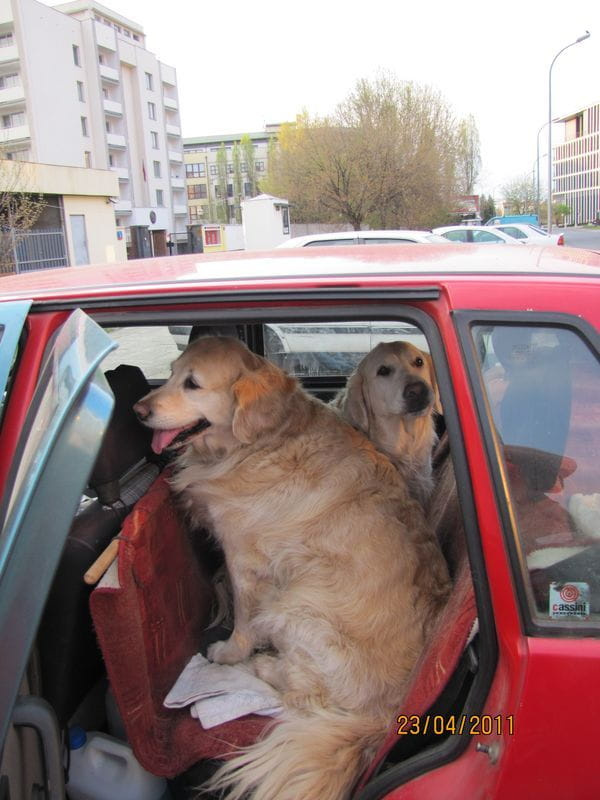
[(569, 600)]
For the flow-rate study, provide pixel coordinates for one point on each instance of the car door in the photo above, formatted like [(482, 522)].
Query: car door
[(56, 450)]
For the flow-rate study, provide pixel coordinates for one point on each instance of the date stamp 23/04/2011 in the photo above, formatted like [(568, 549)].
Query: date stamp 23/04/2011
[(439, 725)]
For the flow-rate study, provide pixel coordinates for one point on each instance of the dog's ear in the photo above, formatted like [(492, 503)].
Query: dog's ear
[(261, 397), (437, 405), (353, 403)]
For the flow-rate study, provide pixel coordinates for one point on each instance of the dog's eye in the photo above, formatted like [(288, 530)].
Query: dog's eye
[(190, 383), (419, 361), (383, 370)]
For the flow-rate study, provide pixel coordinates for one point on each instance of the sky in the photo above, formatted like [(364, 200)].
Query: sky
[(241, 64)]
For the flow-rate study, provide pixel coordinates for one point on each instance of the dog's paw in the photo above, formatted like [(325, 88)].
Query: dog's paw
[(228, 652)]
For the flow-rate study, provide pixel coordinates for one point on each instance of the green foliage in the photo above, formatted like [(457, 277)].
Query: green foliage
[(237, 182), (222, 210), (247, 149), (487, 207)]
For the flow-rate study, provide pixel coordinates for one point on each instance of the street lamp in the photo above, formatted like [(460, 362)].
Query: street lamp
[(585, 36)]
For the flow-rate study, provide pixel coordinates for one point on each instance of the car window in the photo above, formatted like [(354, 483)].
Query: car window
[(151, 348), (385, 240), (487, 237), (455, 236), (543, 389), (538, 230), (331, 349), (329, 242), (516, 233)]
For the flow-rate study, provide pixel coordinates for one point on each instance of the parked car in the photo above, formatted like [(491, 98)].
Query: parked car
[(530, 234), (472, 235), (524, 219), (362, 237), (503, 702)]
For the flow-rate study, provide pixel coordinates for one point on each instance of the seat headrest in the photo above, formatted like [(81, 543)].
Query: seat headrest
[(125, 442)]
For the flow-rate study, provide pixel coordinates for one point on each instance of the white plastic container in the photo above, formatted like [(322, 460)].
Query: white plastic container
[(104, 768)]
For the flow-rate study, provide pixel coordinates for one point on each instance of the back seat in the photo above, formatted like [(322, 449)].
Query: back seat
[(69, 657)]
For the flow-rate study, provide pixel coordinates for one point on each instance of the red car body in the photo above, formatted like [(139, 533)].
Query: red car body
[(541, 682)]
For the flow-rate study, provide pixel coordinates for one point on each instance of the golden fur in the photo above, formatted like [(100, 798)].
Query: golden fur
[(396, 410), (334, 571)]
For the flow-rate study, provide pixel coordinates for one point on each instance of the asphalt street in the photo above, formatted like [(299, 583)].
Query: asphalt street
[(581, 237)]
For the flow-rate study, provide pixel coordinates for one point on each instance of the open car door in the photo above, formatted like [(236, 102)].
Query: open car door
[(56, 451)]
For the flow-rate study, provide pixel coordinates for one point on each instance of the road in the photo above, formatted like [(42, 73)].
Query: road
[(581, 237)]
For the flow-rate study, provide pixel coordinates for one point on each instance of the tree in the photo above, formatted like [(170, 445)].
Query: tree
[(520, 196), (247, 148), (385, 158), (487, 207), (237, 182), (221, 185), (19, 210), (468, 159)]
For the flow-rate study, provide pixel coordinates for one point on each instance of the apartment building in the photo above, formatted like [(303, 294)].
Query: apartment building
[(78, 88), (576, 166), (214, 192)]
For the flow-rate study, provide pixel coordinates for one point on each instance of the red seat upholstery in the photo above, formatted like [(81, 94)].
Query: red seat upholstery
[(149, 628)]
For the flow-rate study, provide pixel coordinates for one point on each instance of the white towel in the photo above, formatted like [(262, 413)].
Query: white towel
[(218, 693)]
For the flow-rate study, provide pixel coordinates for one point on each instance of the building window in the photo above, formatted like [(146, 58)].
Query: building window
[(7, 81), (154, 139), (76, 57), (136, 37), (195, 170), (195, 214), (213, 169), (126, 32), (260, 166), (111, 160), (80, 93), (87, 159), (107, 125), (149, 81), (156, 169), (84, 126), (159, 197), (13, 120), (6, 40), (230, 190), (212, 236), (247, 189), (100, 58), (230, 169), (151, 111), (197, 192)]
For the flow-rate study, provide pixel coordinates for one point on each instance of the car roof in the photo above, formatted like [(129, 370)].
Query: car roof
[(310, 268), (298, 241)]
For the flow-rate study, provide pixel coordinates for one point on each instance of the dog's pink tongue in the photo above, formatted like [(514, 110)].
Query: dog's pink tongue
[(162, 439)]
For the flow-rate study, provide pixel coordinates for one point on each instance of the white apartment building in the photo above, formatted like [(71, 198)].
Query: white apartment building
[(78, 88), (576, 165)]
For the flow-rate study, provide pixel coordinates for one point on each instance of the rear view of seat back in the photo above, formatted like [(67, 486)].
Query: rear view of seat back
[(69, 656)]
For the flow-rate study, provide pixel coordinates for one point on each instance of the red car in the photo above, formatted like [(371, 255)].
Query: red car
[(503, 702)]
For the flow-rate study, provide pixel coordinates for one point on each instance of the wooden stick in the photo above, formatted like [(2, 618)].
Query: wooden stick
[(102, 563)]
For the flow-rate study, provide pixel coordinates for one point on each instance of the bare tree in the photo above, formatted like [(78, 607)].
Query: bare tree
[(20, 208), (384, 158), (468, 155), (519, 195)]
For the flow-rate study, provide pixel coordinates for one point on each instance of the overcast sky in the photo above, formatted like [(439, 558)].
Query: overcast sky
[(243, 64)]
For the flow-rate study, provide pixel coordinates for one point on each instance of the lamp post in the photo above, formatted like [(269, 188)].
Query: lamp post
[(537, 161), (585, 36)]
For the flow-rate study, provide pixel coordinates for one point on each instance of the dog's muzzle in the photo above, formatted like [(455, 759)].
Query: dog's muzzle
[(417, 396)]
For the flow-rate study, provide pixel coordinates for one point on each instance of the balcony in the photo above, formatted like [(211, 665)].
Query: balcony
[(116, 140), (9, 54), (175, 157), (14, 94), (16, 134), (179, 211), (121, 172), (167, 75), (109, 74), (170, 103), (122, 207), (105, 36), (177, 183), (113, 108), (173, 130)]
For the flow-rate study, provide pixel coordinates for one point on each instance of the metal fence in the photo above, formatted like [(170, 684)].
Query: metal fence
[(26, 251)]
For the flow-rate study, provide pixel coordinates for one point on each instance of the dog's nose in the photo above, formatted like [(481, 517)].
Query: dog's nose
[(142, 411), (416, 395)]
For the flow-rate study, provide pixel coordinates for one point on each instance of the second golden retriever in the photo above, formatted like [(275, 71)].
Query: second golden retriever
[(336, 577), (391, 397)]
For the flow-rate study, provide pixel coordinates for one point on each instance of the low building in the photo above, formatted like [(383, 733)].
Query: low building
[(576, 166)]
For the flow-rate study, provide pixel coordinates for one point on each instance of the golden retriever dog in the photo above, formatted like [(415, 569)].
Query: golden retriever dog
[(392, 397), (336, 577)]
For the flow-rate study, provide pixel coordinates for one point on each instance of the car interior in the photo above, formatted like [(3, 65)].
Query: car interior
[(107, 655)]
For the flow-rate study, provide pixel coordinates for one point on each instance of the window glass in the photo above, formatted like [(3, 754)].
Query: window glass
[(516, 233), (151, 348), (331, 348), (543, 389), (329, 242), (383, 240), (486, 237), (455, 236)]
